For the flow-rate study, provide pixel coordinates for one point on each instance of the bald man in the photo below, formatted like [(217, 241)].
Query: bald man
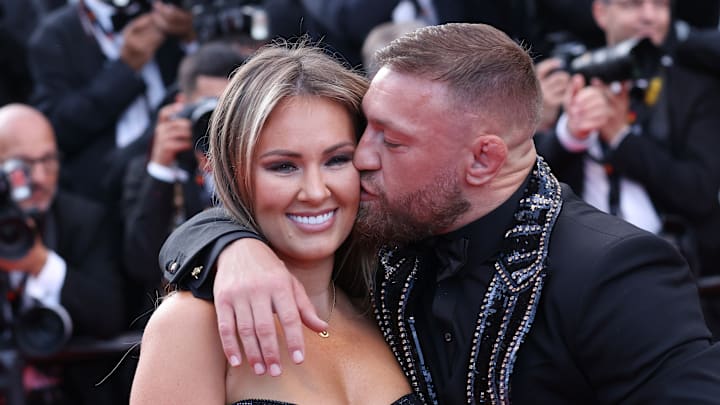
[(71, 263)]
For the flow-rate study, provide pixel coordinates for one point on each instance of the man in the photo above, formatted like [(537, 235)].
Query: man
[(100, 69), (495, 283), (174, 184), (646, 154), (72, 263)]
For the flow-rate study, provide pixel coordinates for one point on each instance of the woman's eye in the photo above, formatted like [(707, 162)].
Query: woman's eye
[(282, 167), (339, 160)]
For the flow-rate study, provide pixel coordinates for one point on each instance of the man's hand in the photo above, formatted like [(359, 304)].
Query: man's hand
[(619, 105), (174, 21), (141, 38), (32, 263), (172, 135), (252, 283), (554, 83), (587, 107)]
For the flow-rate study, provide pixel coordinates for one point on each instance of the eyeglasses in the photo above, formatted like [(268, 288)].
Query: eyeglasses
[(638, 4), (49, 162)]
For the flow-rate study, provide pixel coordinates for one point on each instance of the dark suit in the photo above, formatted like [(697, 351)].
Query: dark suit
[(618, 319), (78, 231), (84, 94), (149, 212), (619, 322)]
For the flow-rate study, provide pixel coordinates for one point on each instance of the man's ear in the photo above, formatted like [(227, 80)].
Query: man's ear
[(489, 155)]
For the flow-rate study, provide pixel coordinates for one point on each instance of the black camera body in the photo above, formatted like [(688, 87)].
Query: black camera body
[(199, 114), (16, 236), (212, 19), (36, 330), (632, 59)]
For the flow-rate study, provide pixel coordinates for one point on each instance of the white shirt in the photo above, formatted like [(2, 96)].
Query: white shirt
[(136, 117), (635, 205), (46, 286)]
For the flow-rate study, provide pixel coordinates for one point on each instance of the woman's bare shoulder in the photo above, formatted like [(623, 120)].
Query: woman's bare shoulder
[(182, 323), (182, 344)]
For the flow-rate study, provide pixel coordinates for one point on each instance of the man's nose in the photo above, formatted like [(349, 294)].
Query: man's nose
[(366, 156), (38, 172)]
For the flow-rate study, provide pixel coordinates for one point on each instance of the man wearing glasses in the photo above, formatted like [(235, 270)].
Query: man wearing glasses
[(646, 150), (71, 265)]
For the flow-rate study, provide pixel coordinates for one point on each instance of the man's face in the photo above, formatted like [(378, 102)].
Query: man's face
[(31, 139), (625, 19), (408, 159)]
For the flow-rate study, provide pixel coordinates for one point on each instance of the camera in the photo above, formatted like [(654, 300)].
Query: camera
[(199, 114), (215, 19), (37, 329), (212, 19), (632, 59), (16, 236)]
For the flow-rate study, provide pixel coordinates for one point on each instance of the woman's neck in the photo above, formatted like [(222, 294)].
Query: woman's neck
[(316, 278)]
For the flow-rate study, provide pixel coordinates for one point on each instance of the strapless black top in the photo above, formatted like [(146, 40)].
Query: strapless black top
[(409, 399)]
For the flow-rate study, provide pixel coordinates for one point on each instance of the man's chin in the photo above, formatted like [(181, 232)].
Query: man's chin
[(365, 225)]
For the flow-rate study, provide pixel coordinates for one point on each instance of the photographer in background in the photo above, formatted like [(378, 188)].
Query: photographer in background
[(72, 262), (174, 184), (646, 150), (101, 68)]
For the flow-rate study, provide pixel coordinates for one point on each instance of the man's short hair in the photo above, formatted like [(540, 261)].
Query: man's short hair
[(382, 35), (486, 72)]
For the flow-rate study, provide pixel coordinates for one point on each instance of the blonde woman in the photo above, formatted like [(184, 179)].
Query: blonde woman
[(281, 146)]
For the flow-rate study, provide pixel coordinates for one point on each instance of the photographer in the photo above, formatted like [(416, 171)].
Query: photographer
[(646, 150), (174, 184), (101, 67), (71, 263)]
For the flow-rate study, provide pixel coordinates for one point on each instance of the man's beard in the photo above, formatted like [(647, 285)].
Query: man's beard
[(413, 216)]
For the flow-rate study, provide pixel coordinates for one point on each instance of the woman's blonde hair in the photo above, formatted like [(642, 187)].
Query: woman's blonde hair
[(276, 72)]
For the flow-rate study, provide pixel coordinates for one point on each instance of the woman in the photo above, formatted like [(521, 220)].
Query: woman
[(281, 147)]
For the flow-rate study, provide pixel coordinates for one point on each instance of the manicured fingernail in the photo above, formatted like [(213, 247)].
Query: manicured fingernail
[(234, 361), (297, 356), (275, 370), (259, 369)]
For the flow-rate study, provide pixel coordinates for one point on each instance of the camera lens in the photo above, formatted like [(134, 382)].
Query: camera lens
[(42, 330), (16, 237)]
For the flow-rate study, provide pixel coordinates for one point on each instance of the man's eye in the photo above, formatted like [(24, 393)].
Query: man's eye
[(391, 145)]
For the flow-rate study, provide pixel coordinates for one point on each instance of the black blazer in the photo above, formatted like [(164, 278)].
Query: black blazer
[(149, 214), (83, 94), (77, 229), (619, 321)]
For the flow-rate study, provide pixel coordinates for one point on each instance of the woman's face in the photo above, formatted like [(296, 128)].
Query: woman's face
[(307, 190)]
